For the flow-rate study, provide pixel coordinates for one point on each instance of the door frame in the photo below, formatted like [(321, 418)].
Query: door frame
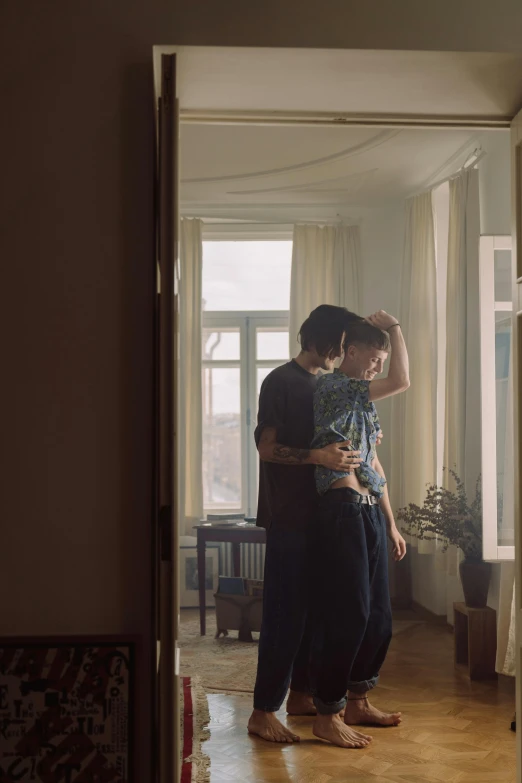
[(516, 255), (398, 121)]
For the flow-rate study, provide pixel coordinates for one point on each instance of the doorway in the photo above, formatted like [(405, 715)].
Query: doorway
[(375, 135)]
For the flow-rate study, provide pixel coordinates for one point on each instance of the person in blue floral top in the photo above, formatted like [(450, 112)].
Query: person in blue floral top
[(354, 520), (343, 411)]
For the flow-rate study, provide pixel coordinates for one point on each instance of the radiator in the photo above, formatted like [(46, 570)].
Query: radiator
[(252, 560)]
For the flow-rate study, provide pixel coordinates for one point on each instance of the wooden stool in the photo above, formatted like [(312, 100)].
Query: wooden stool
[(476, 640)]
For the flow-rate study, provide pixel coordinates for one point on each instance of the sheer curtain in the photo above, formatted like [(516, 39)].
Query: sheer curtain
[(462, 439), (414, 413), (325, 270), (190, 398)]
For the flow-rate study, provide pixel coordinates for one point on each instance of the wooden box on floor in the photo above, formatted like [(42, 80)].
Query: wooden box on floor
[(238, 613), (476, 640)]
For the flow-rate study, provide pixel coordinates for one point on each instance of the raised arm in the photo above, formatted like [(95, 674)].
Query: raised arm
[(398, 379), (333, 456)]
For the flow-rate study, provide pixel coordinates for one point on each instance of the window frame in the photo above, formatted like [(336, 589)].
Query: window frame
[(247, 321), (492, 551)]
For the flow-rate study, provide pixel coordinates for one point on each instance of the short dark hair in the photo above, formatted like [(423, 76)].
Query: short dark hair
[(363, 333), (324, 328)]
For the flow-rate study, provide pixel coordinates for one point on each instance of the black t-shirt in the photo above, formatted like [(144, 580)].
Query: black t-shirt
[(287, 494)]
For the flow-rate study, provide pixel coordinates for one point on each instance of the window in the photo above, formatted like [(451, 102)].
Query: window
[(246, 294), (496, 308), (246, 275)]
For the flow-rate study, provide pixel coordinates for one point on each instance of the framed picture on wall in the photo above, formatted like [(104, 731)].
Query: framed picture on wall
[(67, 709), (189, 590)]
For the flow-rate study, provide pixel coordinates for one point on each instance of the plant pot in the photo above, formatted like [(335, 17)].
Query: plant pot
[(475, 576)]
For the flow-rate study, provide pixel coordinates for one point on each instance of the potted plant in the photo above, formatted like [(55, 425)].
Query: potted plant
[(448, 516)]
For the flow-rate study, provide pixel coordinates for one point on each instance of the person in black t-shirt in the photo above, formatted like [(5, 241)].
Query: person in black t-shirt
[(287, 508)]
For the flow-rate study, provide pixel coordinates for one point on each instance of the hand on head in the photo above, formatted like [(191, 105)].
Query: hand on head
[(382, 320)]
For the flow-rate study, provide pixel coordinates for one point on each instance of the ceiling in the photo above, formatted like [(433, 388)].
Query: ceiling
[(459, 84), (311, 173), (235, 167)]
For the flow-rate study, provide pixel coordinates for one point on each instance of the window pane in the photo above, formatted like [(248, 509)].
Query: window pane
[(505, 488), (272, 344), (502, 343), (221, 438), (220, 344), (246, 275), (503, 276)]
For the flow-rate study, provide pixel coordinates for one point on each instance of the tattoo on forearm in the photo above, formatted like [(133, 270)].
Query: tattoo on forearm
[(290, 456)]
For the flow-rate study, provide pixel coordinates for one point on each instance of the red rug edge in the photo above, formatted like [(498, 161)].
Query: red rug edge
[(188, 731)]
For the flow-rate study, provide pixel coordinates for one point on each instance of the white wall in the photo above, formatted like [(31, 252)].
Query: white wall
[(428, 581), (494, 184)]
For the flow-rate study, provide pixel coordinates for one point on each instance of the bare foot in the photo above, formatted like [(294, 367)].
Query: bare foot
[(333, 729), (361, 713), (300, 704), (267, 726)]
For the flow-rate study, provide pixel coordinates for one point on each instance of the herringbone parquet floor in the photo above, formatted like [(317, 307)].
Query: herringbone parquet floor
[(453, 730)]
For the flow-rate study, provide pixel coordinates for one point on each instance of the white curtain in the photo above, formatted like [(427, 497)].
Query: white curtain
[(190, 398), (462, 438), (414, 413), (325, 270)]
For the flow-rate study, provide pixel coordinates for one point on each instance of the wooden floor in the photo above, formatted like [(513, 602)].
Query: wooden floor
[(452, 731)]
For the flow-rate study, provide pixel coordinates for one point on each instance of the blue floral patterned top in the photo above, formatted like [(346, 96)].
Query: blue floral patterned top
[(343, 411)]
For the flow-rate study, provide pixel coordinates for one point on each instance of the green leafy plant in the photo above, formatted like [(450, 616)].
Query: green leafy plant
[(448, 516)]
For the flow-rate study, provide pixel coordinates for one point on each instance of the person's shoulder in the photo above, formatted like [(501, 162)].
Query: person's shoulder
[(326, 382), (279, 377), (323, 380), (353, 388), (360, 386), (279, 372), (361, 389)]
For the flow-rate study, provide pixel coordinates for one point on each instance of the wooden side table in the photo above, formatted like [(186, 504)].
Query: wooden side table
[(234, 534), (476, 640)]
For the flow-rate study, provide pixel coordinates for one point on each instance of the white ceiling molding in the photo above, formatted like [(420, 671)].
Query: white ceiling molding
[(268, 213), (352, 183), (357, 149)]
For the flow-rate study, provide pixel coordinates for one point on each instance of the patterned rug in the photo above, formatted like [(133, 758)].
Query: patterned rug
[(194, 719), (227, 665)]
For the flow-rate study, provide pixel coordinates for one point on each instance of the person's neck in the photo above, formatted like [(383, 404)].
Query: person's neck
[(308, 361), (348, 370)]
